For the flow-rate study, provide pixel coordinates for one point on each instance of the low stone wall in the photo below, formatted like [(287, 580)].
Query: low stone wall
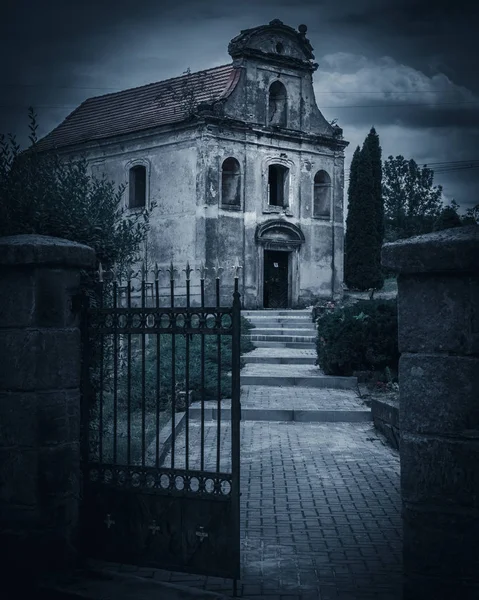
[(385, 413)]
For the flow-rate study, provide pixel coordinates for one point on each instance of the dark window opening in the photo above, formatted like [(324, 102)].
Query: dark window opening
[(279, 48), (231, 183), (322, 195), (278, 185), (137, 187), (277, 106)]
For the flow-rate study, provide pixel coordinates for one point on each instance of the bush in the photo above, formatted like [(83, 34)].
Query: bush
[(361, 337)]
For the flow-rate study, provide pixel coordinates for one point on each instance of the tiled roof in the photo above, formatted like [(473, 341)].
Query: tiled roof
[(141, 108)]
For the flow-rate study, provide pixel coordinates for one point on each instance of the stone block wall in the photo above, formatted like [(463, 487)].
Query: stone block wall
[(40, 365), (438, 319)]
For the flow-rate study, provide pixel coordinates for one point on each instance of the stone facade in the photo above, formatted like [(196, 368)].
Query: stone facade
[(438, 316), (266, 120), (39, 403)]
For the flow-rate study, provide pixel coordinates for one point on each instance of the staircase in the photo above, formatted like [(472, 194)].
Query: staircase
[(285, 354), (282, 329)]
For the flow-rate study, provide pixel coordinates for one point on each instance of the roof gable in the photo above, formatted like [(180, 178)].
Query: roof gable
[(169, 101)]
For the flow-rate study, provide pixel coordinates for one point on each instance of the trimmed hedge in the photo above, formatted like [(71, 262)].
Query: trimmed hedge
[(362, 337)]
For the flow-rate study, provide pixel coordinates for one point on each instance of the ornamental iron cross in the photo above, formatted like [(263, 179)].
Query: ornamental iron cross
[(201, 533), (154, 527), (109, 521)]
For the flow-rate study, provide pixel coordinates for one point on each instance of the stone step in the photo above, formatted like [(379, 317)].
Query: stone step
[(278, 323), (279, 360), (276, 313), (283, 344), (283, 331), (271, 414), (318, 381), (254, 337)]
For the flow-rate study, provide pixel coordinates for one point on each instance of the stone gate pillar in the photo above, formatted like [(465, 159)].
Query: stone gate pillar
[(438, 304), (39, 402)]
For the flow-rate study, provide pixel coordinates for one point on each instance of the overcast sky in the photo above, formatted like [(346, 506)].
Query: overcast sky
[(408, 67)]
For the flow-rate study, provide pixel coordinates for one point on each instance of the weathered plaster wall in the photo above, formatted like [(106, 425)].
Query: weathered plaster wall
[(231, 234)]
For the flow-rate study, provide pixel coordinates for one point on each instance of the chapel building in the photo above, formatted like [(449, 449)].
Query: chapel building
[(240, 163)]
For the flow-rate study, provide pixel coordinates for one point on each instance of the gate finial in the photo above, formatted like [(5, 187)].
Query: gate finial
[(156, 271), (172, 270), (217, 268), (114, 272), (188, 271), (236, 268), (100, 272), (202, 270)]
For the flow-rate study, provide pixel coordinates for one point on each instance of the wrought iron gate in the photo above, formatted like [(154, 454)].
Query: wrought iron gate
[(161, 436)]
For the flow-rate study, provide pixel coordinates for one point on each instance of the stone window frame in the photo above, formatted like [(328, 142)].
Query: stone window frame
[(137, 162), (271, 83), (330, 187), (290, 208), (231, 207)]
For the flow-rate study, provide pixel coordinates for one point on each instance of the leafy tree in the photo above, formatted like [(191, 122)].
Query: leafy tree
[(472, 216), (448, 217), (363, 240), (47, 194), (412, 203)]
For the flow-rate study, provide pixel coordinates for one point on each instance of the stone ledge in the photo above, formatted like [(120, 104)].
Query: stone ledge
[(35, 249), (385, 414), (451, 250)]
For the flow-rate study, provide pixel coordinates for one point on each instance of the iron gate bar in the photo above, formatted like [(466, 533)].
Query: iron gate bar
[(128, 376), (218, 381), (158, 376), (143, 377), (115, 381), (173, 368), (202, 449), (187, 370), (102, 342)]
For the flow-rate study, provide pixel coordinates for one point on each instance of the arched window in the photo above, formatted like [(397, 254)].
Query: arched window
[(137, 187), (278, 183), (277, 104), (230, 183), (322, 195)]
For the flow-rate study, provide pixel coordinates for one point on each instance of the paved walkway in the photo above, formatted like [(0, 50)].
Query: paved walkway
[(275, 398), (319, 513), (320, 504)]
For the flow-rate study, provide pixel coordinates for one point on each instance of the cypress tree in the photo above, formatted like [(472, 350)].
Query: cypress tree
[(351, 220), (363, 247), (372, 141)]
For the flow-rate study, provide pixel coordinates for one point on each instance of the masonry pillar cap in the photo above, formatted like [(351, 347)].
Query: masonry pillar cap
[(449, 250), (31, 249)]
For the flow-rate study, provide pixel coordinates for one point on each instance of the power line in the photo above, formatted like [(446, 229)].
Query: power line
[(80, 87), (448, 163)]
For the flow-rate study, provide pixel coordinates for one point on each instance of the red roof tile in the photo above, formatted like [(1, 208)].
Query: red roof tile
[(140, 108)]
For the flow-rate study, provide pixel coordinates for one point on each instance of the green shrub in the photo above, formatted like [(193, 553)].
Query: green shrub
[(361, 337)]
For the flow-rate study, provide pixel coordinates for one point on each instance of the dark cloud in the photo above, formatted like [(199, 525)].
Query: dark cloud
[(400, 51)]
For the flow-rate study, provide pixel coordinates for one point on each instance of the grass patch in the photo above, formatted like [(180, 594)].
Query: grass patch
[(149, 383)]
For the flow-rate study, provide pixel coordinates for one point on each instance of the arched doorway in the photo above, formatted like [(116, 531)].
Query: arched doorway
[(278, 244)]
